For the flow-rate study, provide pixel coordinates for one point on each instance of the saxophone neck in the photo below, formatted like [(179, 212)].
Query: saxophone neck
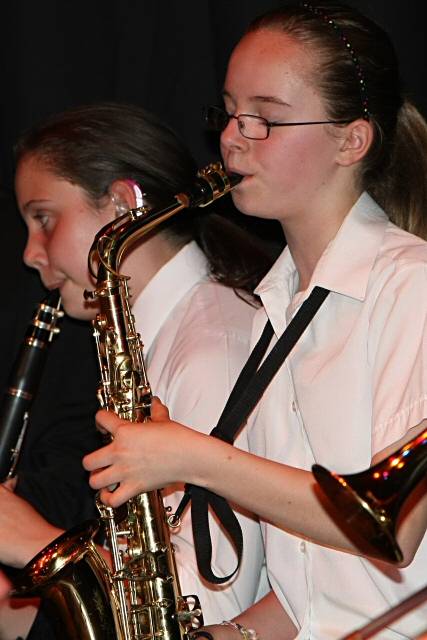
[(117, 237)]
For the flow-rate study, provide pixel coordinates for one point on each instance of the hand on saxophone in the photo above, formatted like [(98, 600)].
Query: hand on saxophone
[(142, 456)]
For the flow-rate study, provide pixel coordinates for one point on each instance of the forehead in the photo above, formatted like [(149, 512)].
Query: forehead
[(32, 169), (35, 180), (269, 62)]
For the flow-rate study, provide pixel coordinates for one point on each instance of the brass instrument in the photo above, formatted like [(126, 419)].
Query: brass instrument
[(370, 501), (139, 599)]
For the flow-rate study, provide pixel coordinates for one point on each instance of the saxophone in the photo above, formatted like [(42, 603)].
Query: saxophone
[(140, 597)]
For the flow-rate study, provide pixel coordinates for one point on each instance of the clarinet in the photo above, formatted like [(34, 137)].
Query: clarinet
[(23, 382)]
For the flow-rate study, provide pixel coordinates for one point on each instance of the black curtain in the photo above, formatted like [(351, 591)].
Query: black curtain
[(170, 57), (167, 56)]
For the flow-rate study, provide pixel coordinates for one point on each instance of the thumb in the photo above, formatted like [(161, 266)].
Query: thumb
[(159, 411), (107, 422)]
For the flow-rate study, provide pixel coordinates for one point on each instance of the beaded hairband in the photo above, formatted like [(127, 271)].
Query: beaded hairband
[(317, 11)]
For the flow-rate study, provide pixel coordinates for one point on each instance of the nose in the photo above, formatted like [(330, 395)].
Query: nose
[(231, 138), (35, 255)]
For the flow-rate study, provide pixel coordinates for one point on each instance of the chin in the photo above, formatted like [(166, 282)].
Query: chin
[(246, 204), (242, 202), (81, 310)]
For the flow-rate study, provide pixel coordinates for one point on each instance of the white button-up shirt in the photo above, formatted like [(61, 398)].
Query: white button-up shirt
[(196, 336), (355, 383)]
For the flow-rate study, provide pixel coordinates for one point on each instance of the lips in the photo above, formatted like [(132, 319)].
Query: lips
[(52, 285), (244, 177), (239, 172)]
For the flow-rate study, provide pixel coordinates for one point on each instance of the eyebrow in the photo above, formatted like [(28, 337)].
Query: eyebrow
[(265, 99), (31, 203)]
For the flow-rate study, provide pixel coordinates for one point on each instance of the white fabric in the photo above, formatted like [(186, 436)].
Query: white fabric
[(196, 337), (354, 384)]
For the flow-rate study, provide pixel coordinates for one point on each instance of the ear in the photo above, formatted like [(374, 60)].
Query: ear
[(125, 195), (356, 140)]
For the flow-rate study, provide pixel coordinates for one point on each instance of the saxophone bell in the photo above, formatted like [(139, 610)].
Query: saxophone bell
[(73, 579)]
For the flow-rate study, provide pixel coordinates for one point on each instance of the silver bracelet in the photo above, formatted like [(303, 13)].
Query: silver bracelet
[(247, 634)]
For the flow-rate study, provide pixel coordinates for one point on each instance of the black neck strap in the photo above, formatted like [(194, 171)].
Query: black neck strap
[(250, 386)]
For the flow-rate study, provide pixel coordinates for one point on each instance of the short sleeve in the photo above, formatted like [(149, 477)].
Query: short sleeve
[(398, 353)]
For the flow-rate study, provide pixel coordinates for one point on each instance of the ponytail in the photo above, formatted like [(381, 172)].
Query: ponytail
[(401, 189)]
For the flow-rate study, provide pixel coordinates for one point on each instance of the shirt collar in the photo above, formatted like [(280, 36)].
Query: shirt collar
[(346, 263), (165, 290)]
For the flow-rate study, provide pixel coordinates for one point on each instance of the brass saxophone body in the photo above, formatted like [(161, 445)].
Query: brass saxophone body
[(147, 599), (140, 597)]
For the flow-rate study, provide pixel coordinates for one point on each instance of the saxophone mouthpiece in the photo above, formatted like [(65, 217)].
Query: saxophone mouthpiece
[(212, 182), (235, 178)]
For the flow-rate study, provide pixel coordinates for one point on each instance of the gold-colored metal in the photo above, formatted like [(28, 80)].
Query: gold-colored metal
[(75, 584), (370, 501), (140, 597)]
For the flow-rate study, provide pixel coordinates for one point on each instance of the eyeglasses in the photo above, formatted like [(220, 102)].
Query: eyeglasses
[(252, 127)]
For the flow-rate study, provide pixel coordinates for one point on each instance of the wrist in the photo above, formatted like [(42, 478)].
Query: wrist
[(245, 633), (211, 453), (42, 537), (199, 456)]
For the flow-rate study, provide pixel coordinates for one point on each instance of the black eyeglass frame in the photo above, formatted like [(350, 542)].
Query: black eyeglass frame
[(269, 125)]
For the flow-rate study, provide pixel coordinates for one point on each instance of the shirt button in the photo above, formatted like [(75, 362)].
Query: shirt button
[(302, 547), (294, 406)]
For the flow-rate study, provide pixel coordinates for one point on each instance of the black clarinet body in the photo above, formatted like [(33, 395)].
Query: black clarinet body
[(23, 381)]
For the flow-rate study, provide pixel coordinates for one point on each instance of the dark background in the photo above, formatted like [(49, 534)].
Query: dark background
[(168, 56)]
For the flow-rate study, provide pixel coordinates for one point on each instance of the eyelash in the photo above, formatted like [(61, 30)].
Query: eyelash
[(40, 218)]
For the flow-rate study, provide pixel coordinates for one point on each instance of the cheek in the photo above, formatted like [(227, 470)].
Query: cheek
[(69, 252), (223, 149), (78, 262), (295, 161)]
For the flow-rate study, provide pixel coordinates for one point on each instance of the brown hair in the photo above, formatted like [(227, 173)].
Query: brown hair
[(94, 145)]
